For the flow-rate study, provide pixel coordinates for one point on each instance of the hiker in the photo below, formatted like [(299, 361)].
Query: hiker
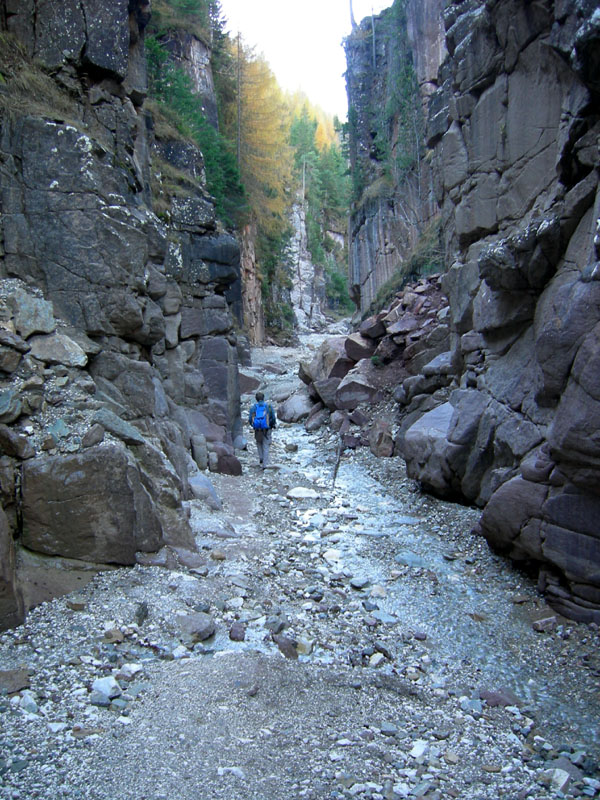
[(262, 418)]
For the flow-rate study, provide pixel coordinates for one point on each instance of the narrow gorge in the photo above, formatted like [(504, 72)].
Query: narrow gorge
[(406, 603)]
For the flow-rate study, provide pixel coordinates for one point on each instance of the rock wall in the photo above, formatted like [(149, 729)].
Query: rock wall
[(254, 317), (118, 354), (194, 56), (393, 202), (513, 134), (308, 282)]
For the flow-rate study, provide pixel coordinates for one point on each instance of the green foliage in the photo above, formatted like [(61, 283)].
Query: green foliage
[(222, 63), (274, 256), (192, 16), (172, 89), (336, 288), (189, 6), (394, 122), (303, 130), (270, 141)]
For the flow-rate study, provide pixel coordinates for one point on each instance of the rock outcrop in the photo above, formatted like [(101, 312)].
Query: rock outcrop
[(308, 283), (349, 374), (513, 137), (118, 355)]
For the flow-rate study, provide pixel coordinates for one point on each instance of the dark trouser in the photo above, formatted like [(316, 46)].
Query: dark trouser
[(263, 440)]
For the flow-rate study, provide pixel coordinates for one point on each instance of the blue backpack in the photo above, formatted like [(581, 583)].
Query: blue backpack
[(261, 417)]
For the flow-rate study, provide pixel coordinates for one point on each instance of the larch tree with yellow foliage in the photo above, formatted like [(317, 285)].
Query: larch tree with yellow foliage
[(259, 123)]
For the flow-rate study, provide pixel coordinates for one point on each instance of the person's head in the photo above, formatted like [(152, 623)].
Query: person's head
[(259, 397)]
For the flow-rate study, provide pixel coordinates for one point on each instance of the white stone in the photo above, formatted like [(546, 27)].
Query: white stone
[(129, 671), (302, 493), (27, 702), (378, 591), (237, 771), (57, 727), (331, 556), (107, 686), (420, 747), (557, 779)]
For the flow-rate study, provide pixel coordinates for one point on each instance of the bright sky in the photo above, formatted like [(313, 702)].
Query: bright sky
[(302, 41)]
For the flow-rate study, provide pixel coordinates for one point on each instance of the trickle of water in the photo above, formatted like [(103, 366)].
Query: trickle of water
[(441, 581), (465, 611)]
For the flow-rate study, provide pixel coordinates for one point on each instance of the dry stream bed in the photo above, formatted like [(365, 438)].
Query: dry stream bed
[(354, 640)]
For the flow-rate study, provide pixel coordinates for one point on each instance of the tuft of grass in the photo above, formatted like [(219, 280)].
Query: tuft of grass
[(167, 182), (26, 88), (379, 189), (164, 127)]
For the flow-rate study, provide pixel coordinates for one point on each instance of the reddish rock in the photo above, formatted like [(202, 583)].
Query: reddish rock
[(237, 632), (354, 390), (228, 465), (316, 421), (358, 417), (13, 680), (326, 389), (286, 645), (373, 327), (330, 360), (11, 602), (248, 383), (500, 697), (357, 347), (196, 627), (303, 373), (350, 442), (406, 324), (388, 350), (338, 419), (90, 506), (381, 441), (15, 444)]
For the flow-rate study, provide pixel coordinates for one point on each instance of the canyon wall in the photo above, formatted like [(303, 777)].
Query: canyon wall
[(512, 141), (118, 352), (393, 61), (308, 282)]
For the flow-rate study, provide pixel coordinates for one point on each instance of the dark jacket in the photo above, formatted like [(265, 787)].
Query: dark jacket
[(270, 412)]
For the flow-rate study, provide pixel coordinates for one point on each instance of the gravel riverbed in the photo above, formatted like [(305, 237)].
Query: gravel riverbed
[(342, 641)]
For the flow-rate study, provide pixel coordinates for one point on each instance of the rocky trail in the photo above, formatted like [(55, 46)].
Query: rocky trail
[(329, 641)]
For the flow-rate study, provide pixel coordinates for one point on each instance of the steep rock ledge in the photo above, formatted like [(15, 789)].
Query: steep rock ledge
[(513, 137), (117, 344)]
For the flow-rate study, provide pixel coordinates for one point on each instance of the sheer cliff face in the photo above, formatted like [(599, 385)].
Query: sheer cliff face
[(393, 196), (117, 353), (512, 136)]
